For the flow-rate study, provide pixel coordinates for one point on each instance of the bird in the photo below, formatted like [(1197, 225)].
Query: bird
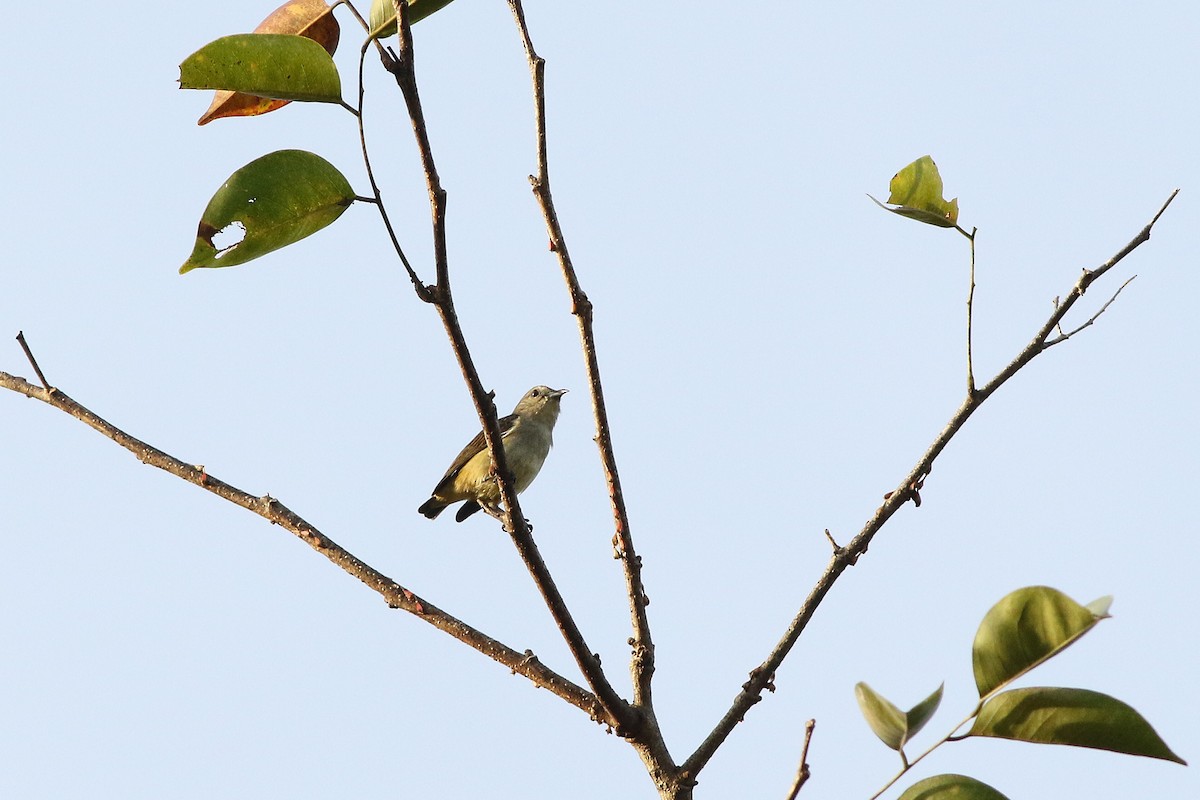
[(526, 434)]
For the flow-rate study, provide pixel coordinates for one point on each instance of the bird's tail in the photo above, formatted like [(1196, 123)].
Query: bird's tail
[(468, 508), (431, 507)]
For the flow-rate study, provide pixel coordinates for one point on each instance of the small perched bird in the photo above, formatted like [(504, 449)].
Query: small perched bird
[(526, 435)]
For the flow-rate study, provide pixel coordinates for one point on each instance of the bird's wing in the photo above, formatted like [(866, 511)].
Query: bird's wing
[(473, 448)]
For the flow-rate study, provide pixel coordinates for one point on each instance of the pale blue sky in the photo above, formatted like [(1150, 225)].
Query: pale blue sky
[(777, 353)]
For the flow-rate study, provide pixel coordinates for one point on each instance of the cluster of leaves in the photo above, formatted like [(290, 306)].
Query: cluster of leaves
[(287, 195), (1024, 630)]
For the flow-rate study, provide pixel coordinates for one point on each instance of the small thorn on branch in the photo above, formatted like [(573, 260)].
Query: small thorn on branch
[(1085, 280), (755, 678), (33, 362), (913, 490), (837, 548), (618, 553), (1058, 324), (412, 598), (529, 658)]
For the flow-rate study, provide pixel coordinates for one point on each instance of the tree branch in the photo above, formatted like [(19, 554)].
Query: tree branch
[(277, 513), (908, 489), (618, 713), (803, 773), (642, 663)]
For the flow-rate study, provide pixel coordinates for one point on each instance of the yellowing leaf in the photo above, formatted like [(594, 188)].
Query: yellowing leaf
[(916, 191), (312, 19)]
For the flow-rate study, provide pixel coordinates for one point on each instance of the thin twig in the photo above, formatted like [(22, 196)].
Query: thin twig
[(804, 772), (970, 311), (276, 512), (760, 676), (377, 198), (642, 663), (618, 713), (1058, 327), (33, 361), (1062, 337), (832, 542)]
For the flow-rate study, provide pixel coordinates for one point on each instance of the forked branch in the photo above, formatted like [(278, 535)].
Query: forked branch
[(642, 664), (908, 489), (403, 67)]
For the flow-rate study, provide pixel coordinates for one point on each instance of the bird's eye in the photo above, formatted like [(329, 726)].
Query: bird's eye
[(535, 393)]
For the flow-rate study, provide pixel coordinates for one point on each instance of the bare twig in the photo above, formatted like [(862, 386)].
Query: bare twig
[(33, 361), (1062, 337), (804, 772), (618, 713), (832, 542), (1058, 327), (276, 512), (642, 664), (752, 690), (970, 311)]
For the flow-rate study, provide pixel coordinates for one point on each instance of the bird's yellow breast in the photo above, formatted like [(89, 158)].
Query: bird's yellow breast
[(525, 448)]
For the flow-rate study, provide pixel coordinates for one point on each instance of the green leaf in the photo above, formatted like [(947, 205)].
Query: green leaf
[(951, 787), (1024, 629), (383, 15), (922, 712), (275, 65), (273, 201), (881, 715), (893, 726), (916, 190), (1070, 716)]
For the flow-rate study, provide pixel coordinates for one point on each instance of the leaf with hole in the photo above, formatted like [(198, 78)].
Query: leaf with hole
[(271, 202)]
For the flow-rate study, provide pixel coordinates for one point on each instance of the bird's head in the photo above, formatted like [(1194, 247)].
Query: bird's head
[(540, 401)]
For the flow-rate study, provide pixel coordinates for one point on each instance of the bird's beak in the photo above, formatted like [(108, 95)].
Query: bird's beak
[(558, 392)]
